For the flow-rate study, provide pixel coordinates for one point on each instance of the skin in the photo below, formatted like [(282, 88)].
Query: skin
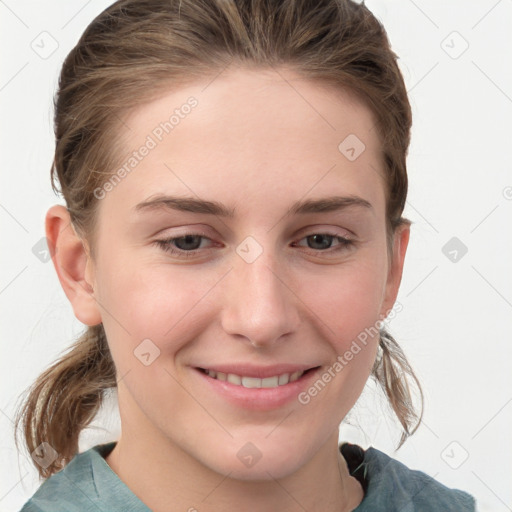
[(256, 145)]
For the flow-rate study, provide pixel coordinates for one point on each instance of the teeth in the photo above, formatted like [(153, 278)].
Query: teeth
[(295, 375), (270, 382), (253, 382), (234, 379), (284, 379)]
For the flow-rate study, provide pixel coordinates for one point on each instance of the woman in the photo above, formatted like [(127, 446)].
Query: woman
[(234, 176)]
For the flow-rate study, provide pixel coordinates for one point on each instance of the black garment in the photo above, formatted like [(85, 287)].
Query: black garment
[(354, 455)]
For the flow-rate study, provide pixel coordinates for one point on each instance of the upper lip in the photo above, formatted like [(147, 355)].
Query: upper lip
[(251, 370)]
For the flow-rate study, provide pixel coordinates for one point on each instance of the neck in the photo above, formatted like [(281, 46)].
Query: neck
[(167, 479)]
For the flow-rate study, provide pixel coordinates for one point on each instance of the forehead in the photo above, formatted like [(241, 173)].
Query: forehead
[(246, 131)]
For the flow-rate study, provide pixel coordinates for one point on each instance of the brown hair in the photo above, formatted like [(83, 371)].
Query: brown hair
[(133, 51)]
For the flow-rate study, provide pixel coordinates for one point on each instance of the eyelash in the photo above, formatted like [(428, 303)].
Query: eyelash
[(167, 247)]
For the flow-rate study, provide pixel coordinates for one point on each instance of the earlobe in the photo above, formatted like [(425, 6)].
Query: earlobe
[(72, 264), (394, 278)]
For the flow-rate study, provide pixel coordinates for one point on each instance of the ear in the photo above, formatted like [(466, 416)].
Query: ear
[(396, 266), (72, 264)]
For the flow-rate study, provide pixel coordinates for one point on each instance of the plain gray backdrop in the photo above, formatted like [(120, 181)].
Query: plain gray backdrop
[(456, 293)]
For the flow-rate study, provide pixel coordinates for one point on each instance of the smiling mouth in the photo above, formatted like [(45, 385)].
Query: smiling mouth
[(254, 382)]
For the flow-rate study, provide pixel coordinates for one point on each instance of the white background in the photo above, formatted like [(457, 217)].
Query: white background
[(455, 326)]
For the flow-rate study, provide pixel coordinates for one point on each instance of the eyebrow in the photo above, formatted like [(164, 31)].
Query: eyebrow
[(194, 205)]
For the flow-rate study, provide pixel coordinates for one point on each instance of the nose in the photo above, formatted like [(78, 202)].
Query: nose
[(258, 302)]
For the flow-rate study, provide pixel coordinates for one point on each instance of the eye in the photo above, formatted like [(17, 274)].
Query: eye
[(186, 245), (323, 242), (190, 244)]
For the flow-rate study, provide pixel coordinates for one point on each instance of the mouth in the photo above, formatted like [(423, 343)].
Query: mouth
[(273, 381), (256, 388)]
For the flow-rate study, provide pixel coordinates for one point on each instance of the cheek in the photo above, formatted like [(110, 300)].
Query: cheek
[(348, 305), (153, 311), (347, 299), (163, 303)]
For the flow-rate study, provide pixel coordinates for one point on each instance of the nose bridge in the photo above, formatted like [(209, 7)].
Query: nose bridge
[(258, 304)]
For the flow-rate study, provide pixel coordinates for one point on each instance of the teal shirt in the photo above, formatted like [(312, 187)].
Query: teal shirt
[(88, 484)]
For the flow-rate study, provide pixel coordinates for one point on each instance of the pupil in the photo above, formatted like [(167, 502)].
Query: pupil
[(324, 237), (189, 239)]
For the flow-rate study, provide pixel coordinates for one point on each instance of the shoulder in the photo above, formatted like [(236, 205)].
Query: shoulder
[(391, 485), (71, 489)]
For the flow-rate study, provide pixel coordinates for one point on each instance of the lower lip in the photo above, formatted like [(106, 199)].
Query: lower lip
[(260, 399)]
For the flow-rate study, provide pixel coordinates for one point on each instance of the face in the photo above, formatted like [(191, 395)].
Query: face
[(253, 277)]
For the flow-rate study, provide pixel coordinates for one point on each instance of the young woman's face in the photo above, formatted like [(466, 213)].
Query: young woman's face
[(260, 281)]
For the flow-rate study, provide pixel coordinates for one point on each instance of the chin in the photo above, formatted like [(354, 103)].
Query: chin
[(256, 461)]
